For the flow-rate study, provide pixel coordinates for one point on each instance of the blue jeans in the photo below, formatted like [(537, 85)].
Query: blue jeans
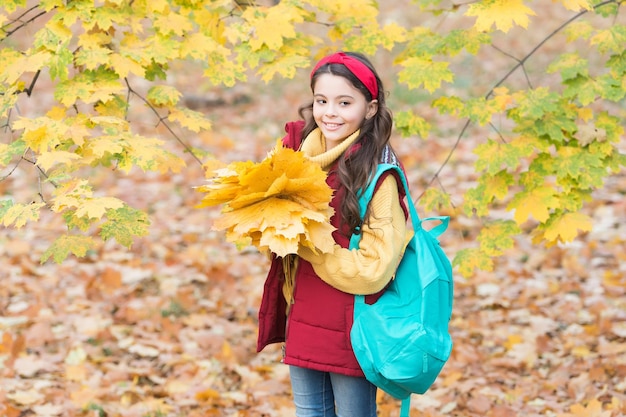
[(326, 394)]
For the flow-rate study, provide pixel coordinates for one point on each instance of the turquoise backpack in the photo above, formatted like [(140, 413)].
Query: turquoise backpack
[(402, 341)]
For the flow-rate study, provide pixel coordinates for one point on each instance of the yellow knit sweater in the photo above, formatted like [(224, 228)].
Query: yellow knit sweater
[(368, 269)]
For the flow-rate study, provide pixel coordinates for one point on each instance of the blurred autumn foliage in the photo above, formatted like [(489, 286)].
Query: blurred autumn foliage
[(168, 326)]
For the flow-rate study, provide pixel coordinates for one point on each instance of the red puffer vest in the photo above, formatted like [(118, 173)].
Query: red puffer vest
[(317, 331)]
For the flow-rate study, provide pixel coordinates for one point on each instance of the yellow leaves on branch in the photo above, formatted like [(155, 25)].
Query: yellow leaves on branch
[(504, 14), (277, 204), (501, 13)]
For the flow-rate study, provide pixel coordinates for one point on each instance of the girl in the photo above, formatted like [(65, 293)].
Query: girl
[(308, 300)]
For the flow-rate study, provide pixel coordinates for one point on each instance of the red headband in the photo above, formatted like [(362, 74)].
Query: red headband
[(359, 69)]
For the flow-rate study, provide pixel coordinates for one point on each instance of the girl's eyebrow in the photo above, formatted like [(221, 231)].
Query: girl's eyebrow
[(338, 97)]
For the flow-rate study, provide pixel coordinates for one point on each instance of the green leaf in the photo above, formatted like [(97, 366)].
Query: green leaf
[(408, 123), (19, 214), (426, 72), (611, 88), (490, 187), (13, 5), (617, 63), (435, 199), (534, 104), (585, 168), (570, 66), (10, 151), (477, 201), (478, 110), (494, 155), (470, 259), (612, 125), (163, 95), (123, 224), (496, 237), (580, 29), (610, 40), (5, 204), (459, 39), (66, 244), (585, 89), (448, 105), (557, 126), (90, 87)]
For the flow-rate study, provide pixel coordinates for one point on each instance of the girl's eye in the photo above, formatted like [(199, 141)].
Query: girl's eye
[(345, 103), (320, 101)]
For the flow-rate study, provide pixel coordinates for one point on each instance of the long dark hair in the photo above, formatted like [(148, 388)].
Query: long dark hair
[(355, 168)]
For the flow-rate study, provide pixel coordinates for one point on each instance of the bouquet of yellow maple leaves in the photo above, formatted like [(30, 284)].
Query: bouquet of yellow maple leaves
[(276, 204)]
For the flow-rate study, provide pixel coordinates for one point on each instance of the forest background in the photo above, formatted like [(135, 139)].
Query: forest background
[(160, 319)]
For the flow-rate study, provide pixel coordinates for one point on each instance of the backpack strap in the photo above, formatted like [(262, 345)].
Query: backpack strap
[(366, 195), (406, 406)]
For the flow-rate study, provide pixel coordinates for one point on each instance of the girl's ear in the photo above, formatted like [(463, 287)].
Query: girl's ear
[(372, 109)]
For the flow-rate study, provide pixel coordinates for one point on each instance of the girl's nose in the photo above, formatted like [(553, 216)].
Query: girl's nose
[(330, 110)]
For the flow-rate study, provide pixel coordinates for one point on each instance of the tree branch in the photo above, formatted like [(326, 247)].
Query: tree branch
[(162, 121), (23, 24), (519, 64)]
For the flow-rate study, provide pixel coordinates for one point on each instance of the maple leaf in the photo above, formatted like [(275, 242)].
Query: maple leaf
[(94, 208), (22, 64), (472, 258), (19, 214), (408, 123), (501, 13), (592, 409), (163, 95), (172, 23), (123, 224), (283, 65), (570, 65), (498, 184), (92, 57), (47, 159), (192, 120), (276, 204), (576, 5), (8, 152), (565, 227), (495, 237), (535, 202), (448, 105), (124, 65), (494, 154), (422, 71), (66, 244), (610, 40), (586, 168), (435, 199), (89, 86), (272, 25), (477, 201)]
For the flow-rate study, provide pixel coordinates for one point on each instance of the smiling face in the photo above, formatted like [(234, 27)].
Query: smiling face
[(339, 108)]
